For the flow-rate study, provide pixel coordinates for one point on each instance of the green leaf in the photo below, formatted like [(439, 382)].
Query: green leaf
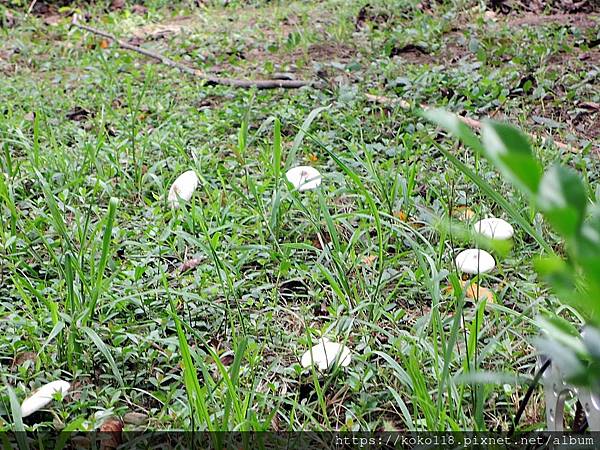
[(301, 133), (588, 246), (508, 149), (105, 352), (488, 190), (563, 200), (557, 272), (591, 340), (451, 123), (106, 240), (568, 286), (19, 427)]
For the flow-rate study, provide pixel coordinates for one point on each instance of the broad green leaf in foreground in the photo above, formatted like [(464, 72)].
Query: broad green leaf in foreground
[(452, 123), (510, 152), (562, 199)]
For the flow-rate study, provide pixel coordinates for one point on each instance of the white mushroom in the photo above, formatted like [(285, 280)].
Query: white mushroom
[(43, 396), (304, 178), (325, 354), (495, 228), (183, 187), (475, 261)]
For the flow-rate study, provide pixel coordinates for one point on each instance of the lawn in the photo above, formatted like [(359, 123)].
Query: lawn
[(197, 317)]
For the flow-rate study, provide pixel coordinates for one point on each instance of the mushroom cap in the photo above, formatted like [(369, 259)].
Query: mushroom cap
[(183, 187), (495, 228), (43, 396), (325, 354), (304, 178), (475, 261)]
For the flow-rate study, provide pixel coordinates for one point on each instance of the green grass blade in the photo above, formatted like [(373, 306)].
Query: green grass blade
[(100, 345), (106, 239), (495, 196)]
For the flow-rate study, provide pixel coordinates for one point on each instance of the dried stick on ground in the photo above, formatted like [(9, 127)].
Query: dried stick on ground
[(209, 79), (391, 102)]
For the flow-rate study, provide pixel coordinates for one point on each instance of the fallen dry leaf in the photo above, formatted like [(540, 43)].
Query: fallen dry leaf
[(78, 114), (52, 19), (472, 290), (111, 434), (387, 101), (592, 106), (189, 264), (401, 215), (462, 213), (369, 259), (8, 21), (117, 4), (227, 360), (22, 358), (139, 9), (104, 43), (135, 418)]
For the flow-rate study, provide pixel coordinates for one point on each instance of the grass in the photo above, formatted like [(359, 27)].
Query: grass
[(90, 290)]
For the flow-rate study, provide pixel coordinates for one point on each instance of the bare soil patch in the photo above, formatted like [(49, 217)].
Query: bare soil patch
[(581, 20), (544, 6)]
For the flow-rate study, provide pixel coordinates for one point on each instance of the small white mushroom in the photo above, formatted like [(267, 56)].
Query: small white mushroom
[(495, 228), (325, 354), (43, 396), (183, 187), (304, 178), (474, 261)]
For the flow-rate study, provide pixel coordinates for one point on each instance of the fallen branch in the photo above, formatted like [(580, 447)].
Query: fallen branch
[(209, 79), (387, 101)]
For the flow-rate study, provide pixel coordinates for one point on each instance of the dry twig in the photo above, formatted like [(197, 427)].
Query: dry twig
[(209, 79), (387, 101)]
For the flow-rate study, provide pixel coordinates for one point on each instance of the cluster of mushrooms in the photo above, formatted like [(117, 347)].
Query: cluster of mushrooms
[(323, 355), (326, 353), (475, 261)]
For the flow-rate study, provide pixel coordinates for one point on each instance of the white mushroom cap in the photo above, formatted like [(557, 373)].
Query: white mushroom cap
[(325, 354), (304, 178), (183, 187), (43, 396), (475, 261), (495, 228)]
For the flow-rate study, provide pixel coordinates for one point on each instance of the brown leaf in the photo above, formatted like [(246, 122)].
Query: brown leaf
[(369, 260), (52, 19), (104, 43), (22, 358), (78, 114), (111, 434), (135, 418), (227, 360), (592, 106), (8, 21), (401, 215), (80, 442), (189, 264), (117, 4), (462, 213), (409, 48), (139, 9), (472, 290)]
